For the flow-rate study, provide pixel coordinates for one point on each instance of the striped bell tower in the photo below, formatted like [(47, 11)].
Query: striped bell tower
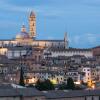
[(32, 25)]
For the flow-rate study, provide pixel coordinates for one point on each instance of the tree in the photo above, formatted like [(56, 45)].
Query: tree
[(21, 82), (62, 86), (70, 84), (39, 85), (44, 85), (49, 85)]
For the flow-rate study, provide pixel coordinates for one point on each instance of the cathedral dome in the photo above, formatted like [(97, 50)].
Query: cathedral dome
[(23, 34)]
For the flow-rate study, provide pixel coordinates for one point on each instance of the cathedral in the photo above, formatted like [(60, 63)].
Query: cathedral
[(24, 39), (29, 38)]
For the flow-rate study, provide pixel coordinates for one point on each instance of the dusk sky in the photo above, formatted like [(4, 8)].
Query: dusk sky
[(79, 18)]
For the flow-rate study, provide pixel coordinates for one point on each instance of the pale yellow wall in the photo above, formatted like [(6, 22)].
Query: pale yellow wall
[(3, 51)]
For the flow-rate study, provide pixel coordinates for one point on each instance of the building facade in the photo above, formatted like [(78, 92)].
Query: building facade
[(29, 38)]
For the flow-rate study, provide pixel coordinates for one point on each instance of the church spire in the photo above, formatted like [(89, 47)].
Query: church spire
[(65, 40), (65, 36)]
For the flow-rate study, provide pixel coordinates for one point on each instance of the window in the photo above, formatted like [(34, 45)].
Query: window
[(88, 69), (39, 58), (57, 79), (88, 74), (48, 76)]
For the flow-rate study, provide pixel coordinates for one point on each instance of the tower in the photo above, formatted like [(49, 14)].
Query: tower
[(65, 41), (32, 25)]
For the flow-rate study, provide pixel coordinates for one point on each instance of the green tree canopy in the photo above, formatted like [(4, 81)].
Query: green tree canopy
[(70, 84), (21, 81), (62, 86), (44, 85)]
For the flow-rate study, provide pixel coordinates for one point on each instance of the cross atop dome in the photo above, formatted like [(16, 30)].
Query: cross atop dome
[(23, 28)]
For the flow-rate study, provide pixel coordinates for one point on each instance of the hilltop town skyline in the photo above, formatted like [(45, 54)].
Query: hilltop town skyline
[(53, 19), (50, 49)]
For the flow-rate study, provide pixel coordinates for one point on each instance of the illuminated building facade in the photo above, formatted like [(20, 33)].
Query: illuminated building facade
[(29, 38)]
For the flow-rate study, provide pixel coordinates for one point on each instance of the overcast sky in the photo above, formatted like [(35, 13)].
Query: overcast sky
[(79, 18)]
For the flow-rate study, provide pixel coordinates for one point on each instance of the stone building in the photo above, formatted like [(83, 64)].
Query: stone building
[(54, 76), (29, 38), (55, 52), (96, 53)]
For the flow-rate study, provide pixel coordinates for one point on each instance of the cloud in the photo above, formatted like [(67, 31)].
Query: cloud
[(89, 39), (10, 7), (51, 12), (92, 38), (92, 3), (76, 39)]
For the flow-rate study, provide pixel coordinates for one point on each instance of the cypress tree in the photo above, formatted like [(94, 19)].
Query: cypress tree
[(21, 82), (70, 84)]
